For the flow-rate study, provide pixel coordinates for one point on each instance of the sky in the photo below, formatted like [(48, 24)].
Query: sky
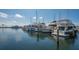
[(11, 17)]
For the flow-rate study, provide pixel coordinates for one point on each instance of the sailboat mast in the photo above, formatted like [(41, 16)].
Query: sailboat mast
[(67, 13), (36, 16), (59, 15)]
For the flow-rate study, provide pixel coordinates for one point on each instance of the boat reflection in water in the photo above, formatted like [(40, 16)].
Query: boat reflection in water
[(37, 35), (63, 43), (18, 39)]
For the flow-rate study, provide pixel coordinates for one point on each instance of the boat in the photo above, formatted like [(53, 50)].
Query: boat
[(37, 27), (41, 27), (77, 28), (63, 27)]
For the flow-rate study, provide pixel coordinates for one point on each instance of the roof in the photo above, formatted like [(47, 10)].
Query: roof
[(62, 22)]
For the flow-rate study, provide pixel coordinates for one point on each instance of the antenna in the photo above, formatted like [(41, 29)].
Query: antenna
[(43, 19), (67, 13), (54, 16), (59, 15), (30, 20)]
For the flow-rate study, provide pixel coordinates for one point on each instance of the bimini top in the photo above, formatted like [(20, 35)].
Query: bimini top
[(64, 22)]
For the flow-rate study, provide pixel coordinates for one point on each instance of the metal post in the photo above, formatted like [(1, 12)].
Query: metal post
[(37, 26), (58, 39), (36, 16)]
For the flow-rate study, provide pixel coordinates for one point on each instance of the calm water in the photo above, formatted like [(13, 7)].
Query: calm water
[(17, 39)]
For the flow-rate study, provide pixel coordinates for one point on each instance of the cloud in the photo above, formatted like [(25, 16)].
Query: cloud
[(40, 17), (34, 17), (14, 21), (18, 16), (3, 15)]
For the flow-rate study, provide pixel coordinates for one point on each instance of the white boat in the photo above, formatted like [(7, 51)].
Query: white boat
[(28, 28), (64, 27), (46, 30), (77, 28), (38, 27), (41, 27)]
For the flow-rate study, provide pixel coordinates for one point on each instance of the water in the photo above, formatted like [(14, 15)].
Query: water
[(18, 39)]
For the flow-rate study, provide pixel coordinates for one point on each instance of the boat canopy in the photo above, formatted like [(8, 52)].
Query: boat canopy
[(64, 22)]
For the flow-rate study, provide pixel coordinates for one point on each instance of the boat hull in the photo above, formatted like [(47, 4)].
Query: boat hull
[(69, 34)]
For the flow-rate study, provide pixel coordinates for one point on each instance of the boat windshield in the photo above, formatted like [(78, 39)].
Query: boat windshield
[(61, 28), (69, 28)]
